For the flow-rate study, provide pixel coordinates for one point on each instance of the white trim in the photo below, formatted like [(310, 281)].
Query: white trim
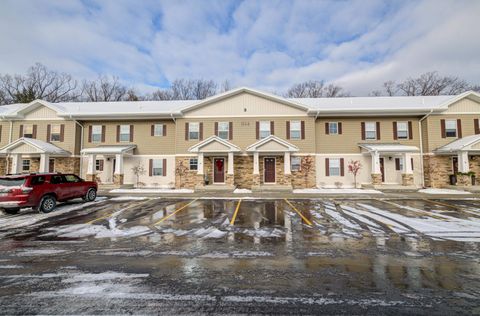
[(274, 169), (227, 117), (290, 147), (197, 147), (459, 97)]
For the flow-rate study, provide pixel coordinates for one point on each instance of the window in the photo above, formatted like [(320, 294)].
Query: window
[(296, 163), (370, 130), (26, 165), (96, 133), (99, 165), (264, 129), (334, 167), (124, 133), (158, 130), (55, 133), (193, 164), (295, 130), (402, 130), (193, 130), (28, 131), (38, 180), (56, 179), (223, 130), (157, 167), (333, 128), (72, 178), (399, 164), (451, 128)]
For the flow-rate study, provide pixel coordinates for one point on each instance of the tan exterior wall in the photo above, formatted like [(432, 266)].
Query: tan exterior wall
[(435, 139), (69, 138), (244, 133), (41, 112), (351, 135), (464, 106), (4, 136), (146, 144)]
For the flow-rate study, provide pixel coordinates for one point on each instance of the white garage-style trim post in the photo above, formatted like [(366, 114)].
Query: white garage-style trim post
[(44, 162), (91, 172), (118, 174), (200, 163)]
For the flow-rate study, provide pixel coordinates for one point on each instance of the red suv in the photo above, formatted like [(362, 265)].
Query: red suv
[(42, 191)]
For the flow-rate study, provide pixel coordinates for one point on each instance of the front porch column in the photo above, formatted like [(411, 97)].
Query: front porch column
[(91, 172), (463, 167), (118, 173), (256, 170), (44, 163), (16, 164), (376, 172), (287, 163), (200, 163), (407, 172)]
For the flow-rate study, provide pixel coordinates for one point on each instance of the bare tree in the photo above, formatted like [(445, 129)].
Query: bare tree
[(315, 89), (38, 83), (225, 86), (104, 89), (390, 87), (138, 171), (183, 89)]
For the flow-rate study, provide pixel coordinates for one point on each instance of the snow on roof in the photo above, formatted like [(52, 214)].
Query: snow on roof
[(45, 147), (375, 103), (389, 148), (460, 144), (108, 149)]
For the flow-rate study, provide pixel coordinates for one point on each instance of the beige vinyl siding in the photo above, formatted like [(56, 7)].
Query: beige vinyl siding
[(351, 136), (464, 106), (425, 134), (5, 133), (69, 137), (146, 144), (42, 112), (435, 139), (244, 131)]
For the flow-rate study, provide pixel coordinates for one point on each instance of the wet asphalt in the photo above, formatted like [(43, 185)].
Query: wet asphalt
[(232, 256)]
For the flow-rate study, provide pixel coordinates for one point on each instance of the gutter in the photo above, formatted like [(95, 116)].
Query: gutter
[(422, 171)]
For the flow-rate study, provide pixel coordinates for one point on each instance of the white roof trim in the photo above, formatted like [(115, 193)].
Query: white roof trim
[(113, 149), (388, 148), (233, 92), (25, 108), (290, 147), (43, 147), (461, 144), (197, 147), (466, 94)]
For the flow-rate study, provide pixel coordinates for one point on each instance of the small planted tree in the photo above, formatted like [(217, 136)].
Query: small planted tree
[(354, 167), (180, 171), (138, 171), (307, 166)]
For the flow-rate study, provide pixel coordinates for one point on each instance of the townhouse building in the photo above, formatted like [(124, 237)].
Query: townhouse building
[(246, 138)]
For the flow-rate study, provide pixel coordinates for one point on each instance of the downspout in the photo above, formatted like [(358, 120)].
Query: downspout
[(422, 170), (81, 145)]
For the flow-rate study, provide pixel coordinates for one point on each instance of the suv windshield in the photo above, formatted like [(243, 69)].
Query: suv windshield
[(11, 182)]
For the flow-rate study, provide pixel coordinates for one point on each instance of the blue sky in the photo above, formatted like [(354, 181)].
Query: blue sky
[(262, 44)]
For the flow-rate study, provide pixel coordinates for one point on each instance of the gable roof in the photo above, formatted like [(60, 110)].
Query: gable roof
[(43, 147), (212, 139), (461, 144), (109, 149), (388, 148), (272, 138)]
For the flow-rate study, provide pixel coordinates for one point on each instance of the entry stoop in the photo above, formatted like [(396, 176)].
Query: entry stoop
[(215, 188), (272, 188), (111, 186)]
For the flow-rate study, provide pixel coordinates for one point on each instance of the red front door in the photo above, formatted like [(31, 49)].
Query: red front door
[(218, 170), (269, 170)]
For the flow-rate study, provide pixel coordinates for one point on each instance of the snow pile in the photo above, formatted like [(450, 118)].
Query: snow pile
[(129, 198), (336, 191), (209, 232), (442, 191), (242, 191), (97, 231), (151, 190)]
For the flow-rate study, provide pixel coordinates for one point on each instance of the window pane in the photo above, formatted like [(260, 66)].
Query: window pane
[(451, 128), (124, 133), (402, 130), (72, 178), (296, 163), (223, 128), (193, 130), (264, 129), (28, 131), (157, 166), (96, 133), (194, 164), (333, 128), (295, 129), (334, 167), (370, 130), (55, 133), (158, 130), (26, 165)]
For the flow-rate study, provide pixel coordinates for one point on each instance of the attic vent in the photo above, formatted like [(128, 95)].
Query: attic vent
[(244, 109)]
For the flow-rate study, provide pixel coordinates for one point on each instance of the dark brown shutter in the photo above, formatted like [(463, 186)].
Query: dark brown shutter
[(327, 129), (411, 161), (257, 129), (164, 130), (477, 126), (363, 130), (150, 167), (104, 133), (327, 167), (342, 167), (230, 130), (49, 130), (442, 127), (90, 133), (201, 130), (152, 130), (131, 133), (20, 133), (164, 167), (378, 130), (101, 165), (186, 131), (1, 133), (288, 129), (62, 132), (34, 131), (303, 129), (397, 163), (395, 134), (340, 128), (272, 128), (410, 130), (118, 133), (216, 129), (459, 128)]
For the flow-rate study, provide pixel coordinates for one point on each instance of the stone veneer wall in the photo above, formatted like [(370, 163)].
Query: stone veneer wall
[(243, 172), (475, 167), (68, 165), (188, 178), (3, 166), (437, 170), (305, 179)]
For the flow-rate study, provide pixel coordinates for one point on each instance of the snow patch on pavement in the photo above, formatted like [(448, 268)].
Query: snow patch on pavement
[(336, 191), (442, 191), (152, 190), (97, 231), (242, 191), (128, 198)]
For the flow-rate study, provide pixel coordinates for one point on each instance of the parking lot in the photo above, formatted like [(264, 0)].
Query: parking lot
[(150, 255)]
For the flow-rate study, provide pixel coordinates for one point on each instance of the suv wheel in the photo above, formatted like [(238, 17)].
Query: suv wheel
[(91, 195), (47, 204)]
